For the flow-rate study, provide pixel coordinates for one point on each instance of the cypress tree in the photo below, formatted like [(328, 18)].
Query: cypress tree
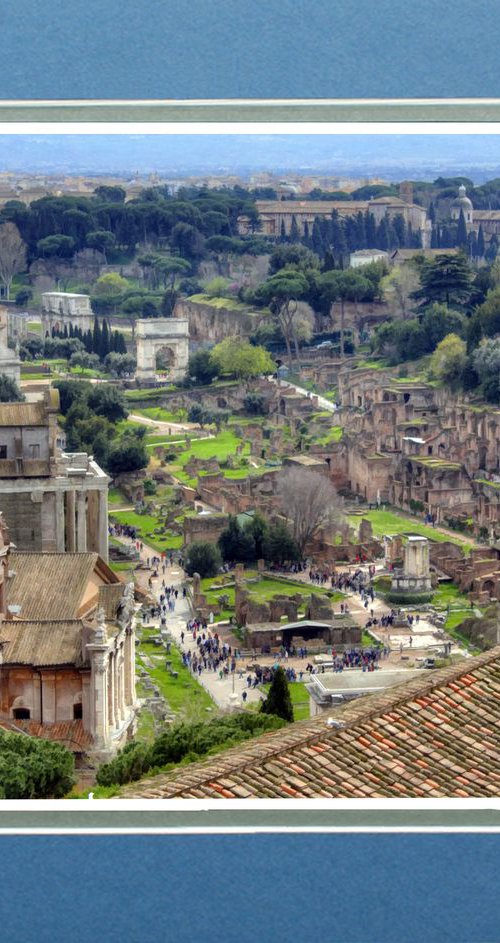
[(317, 239), (307, 238), (282, 231), (480, 243), (432, 213), (96, 337), (361, 230), (104, 351), (278, 700), (71, 331), (294, 230), (462, 232), (122, 344), (88, 340), (371, 231)]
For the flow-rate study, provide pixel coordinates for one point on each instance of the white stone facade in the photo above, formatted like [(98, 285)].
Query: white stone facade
[(162, 336)]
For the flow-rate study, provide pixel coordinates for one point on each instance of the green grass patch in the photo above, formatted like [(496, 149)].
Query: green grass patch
[(146, 525), (185, 696), (388, 523), (449, 596), (229, 303), (160, 414)]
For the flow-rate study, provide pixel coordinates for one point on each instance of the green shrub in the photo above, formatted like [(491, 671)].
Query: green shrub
[(183, 742)]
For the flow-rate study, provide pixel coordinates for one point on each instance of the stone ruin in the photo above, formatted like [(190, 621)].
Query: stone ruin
[(414, 579)]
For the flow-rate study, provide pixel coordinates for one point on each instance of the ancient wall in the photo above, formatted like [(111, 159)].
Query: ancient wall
[(210, 325)]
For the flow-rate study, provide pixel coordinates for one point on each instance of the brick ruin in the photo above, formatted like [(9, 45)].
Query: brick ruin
[(419, 448)]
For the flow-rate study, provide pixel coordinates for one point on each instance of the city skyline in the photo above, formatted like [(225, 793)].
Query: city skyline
[(392, 155)]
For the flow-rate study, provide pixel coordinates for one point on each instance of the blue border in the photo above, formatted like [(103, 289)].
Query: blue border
[(337, 888), (191, 49)]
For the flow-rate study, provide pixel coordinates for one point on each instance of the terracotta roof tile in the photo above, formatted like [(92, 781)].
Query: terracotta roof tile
[(437, 735)]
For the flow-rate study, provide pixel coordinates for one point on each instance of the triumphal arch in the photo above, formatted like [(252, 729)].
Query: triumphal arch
[(162, 348)]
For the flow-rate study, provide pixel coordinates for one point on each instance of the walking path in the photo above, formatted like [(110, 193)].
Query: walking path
[(221, 691), (324, 403)]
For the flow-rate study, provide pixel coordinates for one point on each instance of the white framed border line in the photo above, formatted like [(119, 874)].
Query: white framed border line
[(237, 102), (379, 127), (85, 808)]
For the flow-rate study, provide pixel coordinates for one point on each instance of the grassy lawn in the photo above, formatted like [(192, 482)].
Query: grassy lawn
[(184, 694), (160, 414), (299, 697), (449, 596), (388, 523), (146, 524), (116, 498)]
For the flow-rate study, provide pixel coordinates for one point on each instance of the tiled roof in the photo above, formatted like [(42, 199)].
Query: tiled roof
[(41, 644), (436, 736), (70, 733), (110, 598), (23, 414), (49, 585)]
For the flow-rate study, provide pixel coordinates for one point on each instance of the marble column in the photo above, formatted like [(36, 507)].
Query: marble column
[(81, 521), (60, 536), (111, 691), (70, 522), (103, 525), (100, 726)]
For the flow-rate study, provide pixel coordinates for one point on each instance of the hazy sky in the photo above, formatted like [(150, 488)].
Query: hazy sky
[(477, 155)]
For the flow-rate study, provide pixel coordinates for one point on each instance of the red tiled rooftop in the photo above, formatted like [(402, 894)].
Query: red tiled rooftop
[(438, 735)]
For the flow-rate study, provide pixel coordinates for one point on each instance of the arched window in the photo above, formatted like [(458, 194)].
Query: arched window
[(21, 713), (77, 708)]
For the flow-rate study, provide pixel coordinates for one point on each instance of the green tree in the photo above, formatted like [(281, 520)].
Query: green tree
[(9, 390), (217, 288), (101, 240), (278, 701), (203, 558), (57, 246), (31, 768), (70, 391), (462, 232), (84, 361), (280, 546), (256, 404), (480, 243), (240, 359), (235, 544), (447, 279), (108, 401), (111, 285), (129, 454), (449, 359), (120, 365), (282, 293), (201, 367), (111, 194)]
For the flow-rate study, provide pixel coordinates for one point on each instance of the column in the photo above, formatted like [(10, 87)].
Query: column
[(100, 725), (81, 521), (129, 667), (60, 537), (111, 690), (123, 705), (103, 525), (70, 522)]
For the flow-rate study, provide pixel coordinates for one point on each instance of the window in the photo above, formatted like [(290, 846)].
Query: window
[(3, 451), (34, 451), (77, 711), (21, 713)]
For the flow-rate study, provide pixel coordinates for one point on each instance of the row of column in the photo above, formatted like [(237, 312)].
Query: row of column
[(79, 527)]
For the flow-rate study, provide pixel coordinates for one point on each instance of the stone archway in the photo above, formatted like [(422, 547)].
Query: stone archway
[(164, 359), (162, 346)]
